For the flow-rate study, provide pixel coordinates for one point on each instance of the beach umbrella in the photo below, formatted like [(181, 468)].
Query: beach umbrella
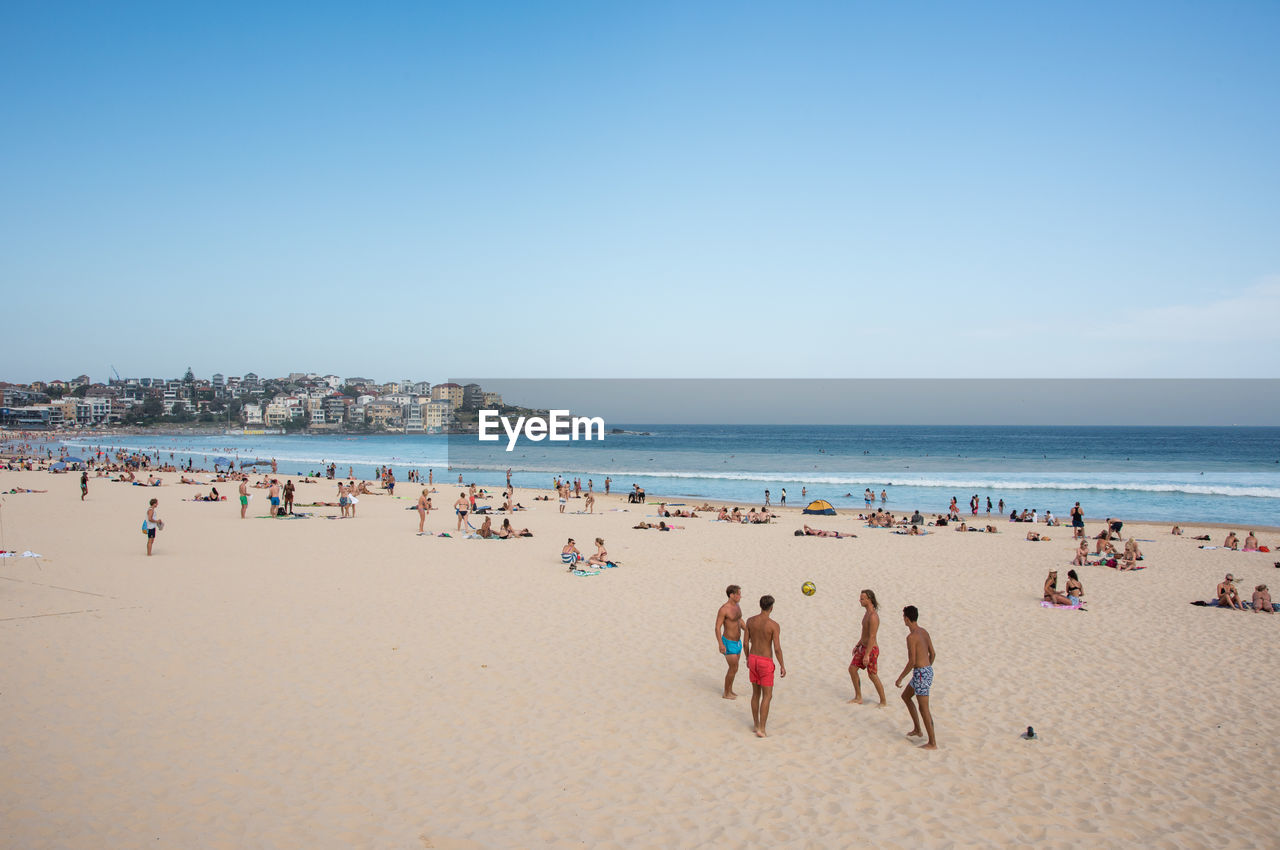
[(222, 461), (58, 465), (73, 460), (820, 506)]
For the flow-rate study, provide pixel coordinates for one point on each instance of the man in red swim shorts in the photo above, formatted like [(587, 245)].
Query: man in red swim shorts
[(866, 652), (763, 640)]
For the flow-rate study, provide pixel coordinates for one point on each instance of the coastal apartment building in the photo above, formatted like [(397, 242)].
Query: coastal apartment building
[(452, 393)]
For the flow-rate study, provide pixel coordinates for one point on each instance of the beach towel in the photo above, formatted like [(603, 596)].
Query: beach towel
[(1044, 604), (922, 533), (1213, 603), (585, 572)]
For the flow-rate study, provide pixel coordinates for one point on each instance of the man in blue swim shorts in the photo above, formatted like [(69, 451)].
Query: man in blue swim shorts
[(729, 636), (920, 657)]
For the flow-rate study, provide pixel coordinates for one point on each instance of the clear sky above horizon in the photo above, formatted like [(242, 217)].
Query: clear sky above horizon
[(843, 189)]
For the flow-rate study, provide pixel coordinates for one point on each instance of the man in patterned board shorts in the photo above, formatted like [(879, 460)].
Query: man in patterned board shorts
[(920, 656), (866, 652)]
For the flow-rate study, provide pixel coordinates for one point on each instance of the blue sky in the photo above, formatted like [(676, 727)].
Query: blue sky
[(853, 189)]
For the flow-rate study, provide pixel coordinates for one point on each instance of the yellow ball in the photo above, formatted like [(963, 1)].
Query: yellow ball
[(808, 588)]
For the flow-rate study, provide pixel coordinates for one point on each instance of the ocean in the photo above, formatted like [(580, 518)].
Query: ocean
[(1188, 474)]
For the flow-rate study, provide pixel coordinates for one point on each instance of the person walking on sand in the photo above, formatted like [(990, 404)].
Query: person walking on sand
[(461, 508), (920, 657), (764, 638), (424, 508), (729, 636), (152, 525), (866, 652), (84, 485), (608, 482), (244, 496)]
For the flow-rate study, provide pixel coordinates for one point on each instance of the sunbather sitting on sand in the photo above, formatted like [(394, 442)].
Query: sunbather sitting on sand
[(1104, 547), (1051, 594), (1262, 600), (1082, 554), (1132, 554), (570, 555), (1228, 596), (601, 557), (1250, 543), (1177, 531), (1232, 542), (507, 531)]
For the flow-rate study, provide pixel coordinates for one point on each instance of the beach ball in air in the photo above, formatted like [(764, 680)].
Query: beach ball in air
[(808, 588)]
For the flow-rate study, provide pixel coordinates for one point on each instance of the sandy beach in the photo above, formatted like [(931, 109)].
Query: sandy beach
[(348, 683)]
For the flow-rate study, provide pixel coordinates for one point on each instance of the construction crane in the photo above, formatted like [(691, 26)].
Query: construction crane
[(116, 374)]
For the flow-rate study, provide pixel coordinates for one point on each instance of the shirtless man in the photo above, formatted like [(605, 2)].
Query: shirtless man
[(1232, 542), (866, 652), (1228, 595), (590, 502), (273, 494), (920, 656), (424, 508), (764, 638), (461, 508), (729, 636), (244, 496)]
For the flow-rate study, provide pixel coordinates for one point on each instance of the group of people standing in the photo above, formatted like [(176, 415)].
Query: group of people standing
[(761, 636)]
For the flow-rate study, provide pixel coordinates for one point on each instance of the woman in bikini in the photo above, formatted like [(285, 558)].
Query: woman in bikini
[(1082, 554), (601, 557), (1075, 590), (1051, 594)]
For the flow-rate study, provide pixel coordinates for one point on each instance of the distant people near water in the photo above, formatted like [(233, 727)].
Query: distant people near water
[(884, 496), (920, 658), (1262, 600), (608, 482), (866, 652), (729, 636), (1001, 510), (764, 640), (868, 496), (783, 499), (766, 498), (1077, 521), (1228, 594), (288, 496), (84, 485)]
